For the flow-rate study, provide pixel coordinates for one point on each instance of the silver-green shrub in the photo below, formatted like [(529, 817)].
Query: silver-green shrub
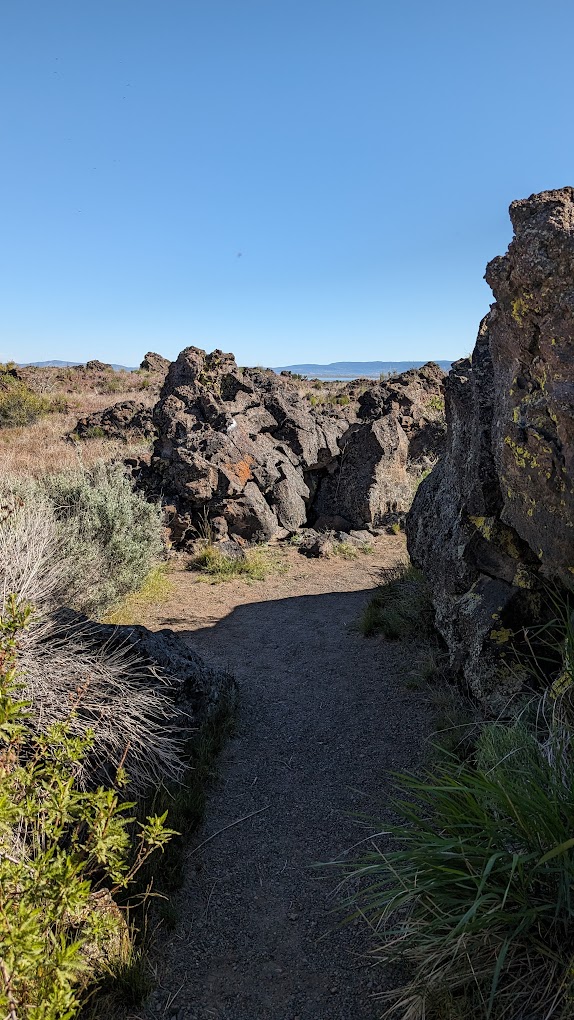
[(109, 535)]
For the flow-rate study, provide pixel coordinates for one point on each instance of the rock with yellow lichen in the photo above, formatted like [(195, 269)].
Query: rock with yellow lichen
[(496, 516)]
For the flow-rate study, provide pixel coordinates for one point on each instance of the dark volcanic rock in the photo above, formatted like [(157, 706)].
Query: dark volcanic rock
[(239, 442), (498, 510), (369, 481), (94, 366), (117, 421), (243, 446), (401, 426), (155, 363)]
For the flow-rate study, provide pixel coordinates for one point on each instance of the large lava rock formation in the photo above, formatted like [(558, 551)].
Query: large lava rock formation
[(496, 516), (242, 452)]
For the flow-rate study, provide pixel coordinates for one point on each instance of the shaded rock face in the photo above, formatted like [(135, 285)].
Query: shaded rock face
[(128, 417), (497, 513), (244, 449)]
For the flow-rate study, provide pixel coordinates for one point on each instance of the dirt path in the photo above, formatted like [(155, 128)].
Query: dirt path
[(323, 715)]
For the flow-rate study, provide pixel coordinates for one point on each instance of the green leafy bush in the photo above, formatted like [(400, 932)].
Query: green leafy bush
[(63, 852)]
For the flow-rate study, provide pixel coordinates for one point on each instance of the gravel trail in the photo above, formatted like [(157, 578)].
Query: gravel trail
[(323, 716)]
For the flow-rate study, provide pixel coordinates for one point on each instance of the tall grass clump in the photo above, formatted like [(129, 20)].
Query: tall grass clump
[(68, 662), (401, 605), (477, 898), (134, 608), (474, 889), (64, 852)]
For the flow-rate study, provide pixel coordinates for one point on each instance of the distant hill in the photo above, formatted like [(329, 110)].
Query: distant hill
[(353, 369), (69, 364)]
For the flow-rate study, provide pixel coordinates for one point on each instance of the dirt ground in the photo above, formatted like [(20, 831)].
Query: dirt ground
[(324, 715)]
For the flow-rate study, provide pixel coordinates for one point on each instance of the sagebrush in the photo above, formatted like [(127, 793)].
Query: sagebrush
[(69, 662), (108, 535)]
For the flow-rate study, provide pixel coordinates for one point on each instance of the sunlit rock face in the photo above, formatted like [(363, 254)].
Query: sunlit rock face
[(246, 453), (496, 515)]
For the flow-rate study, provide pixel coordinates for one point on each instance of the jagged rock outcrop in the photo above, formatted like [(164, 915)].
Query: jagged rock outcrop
[(120, 421), (400, 427), (497, 513), (245, 448), (238, 443), (94, 366), (153, 362)]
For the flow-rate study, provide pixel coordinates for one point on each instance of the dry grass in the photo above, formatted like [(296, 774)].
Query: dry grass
[(42, 448), (401, 606), (134, 608), (215, 566), (350, 551)]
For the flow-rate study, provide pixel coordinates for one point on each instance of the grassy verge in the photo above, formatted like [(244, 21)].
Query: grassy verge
[(400, 607), (215, 566), (471, 892), (134, 608)]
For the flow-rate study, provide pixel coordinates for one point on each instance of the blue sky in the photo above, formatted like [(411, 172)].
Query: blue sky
[(291, 180)]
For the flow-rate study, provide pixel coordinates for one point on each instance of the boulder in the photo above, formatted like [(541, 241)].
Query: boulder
[(495, 518), (317, 546), (155, 363), (369, 480), (119, 421)]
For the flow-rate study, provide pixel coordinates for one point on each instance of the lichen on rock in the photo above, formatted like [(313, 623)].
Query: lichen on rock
[(496, 516)]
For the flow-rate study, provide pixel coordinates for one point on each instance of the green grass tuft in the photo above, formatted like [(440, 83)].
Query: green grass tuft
[(475, 893), (349, 551), (215, 566), (400, 607)]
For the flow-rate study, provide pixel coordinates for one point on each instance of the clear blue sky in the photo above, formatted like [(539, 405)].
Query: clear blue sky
[(359, 154)]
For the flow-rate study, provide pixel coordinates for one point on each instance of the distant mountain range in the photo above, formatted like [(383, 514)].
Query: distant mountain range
[(335, 370), (69, 364), (353, 369)]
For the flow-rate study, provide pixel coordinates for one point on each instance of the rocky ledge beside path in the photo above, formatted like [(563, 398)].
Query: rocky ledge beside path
[(324, 715)]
